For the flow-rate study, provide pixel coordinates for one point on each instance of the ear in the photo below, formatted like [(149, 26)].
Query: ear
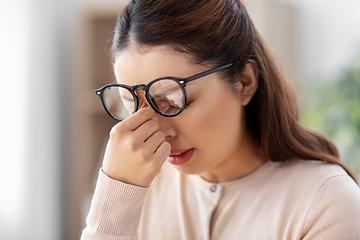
[(249, 82)]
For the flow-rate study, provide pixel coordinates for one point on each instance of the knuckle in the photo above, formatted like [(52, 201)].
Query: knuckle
[(116, 131), (133, 146), (113, 132), (154, 124), (144, 155)]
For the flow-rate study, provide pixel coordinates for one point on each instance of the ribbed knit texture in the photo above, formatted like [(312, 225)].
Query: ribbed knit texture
[(116, 207), (293, 200)]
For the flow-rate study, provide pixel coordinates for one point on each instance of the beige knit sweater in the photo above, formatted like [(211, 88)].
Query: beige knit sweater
[(287, 200)]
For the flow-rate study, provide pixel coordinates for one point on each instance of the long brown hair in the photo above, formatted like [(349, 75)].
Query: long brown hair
[(218, 32)]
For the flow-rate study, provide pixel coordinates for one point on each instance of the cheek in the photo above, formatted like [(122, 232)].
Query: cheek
[(215, 119)]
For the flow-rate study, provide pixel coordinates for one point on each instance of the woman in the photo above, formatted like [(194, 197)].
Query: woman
[(208, 145)]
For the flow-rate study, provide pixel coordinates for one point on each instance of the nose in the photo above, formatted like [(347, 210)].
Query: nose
[(167, 126), (142, 99)]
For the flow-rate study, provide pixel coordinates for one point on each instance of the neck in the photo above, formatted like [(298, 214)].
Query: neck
[(241, 163)]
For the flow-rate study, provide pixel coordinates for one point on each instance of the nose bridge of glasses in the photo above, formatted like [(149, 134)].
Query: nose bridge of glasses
[(139, 91), (138, 87)]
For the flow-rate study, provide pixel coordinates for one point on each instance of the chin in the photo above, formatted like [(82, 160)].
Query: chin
[(190, 170)]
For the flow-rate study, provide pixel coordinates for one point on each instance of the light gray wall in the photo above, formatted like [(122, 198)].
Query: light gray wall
[(13, 75), (34, 160), (37, 36), (328, 36)]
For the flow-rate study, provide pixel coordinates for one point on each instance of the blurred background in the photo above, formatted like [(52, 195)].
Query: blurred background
[(53, 54)]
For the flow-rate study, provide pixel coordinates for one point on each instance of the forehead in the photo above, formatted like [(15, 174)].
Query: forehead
[(140, 65)]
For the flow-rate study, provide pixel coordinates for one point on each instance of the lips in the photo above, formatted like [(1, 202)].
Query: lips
[(178, 152), (180, 156)]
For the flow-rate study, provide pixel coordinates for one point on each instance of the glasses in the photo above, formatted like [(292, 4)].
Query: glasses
[(166, 95)]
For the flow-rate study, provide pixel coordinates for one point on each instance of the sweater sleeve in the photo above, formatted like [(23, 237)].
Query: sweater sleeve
[(115, 210), (335, 211)]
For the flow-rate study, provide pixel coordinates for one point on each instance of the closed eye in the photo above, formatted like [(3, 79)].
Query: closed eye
[(188, 103)]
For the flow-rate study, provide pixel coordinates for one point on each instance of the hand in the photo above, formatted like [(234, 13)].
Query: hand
[(136, 149)]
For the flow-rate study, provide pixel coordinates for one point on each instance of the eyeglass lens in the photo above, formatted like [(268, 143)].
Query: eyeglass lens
[(119, 102), (166, 96)]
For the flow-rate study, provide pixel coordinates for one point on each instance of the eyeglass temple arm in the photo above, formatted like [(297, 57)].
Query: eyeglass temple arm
[(203, 74)]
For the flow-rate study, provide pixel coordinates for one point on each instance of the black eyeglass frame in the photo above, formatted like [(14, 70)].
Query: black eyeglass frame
[(180, 81)]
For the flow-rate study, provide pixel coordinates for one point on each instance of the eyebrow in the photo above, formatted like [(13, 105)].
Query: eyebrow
[(167, 91), (127, 99), (124, 97)]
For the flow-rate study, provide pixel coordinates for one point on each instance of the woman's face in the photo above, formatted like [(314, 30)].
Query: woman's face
[(209, 137)]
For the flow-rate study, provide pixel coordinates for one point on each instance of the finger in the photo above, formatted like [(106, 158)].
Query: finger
[(163, 152), (146, 130), (138, 118), (153, 142)]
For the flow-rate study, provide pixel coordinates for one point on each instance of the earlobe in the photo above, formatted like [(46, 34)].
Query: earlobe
[(248, 83)]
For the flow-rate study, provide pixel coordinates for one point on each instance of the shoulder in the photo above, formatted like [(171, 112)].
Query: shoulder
[(321, 168), (335, 210), (324, 199), (313, 178), (333, 198), (307, 180), (307, 173)]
